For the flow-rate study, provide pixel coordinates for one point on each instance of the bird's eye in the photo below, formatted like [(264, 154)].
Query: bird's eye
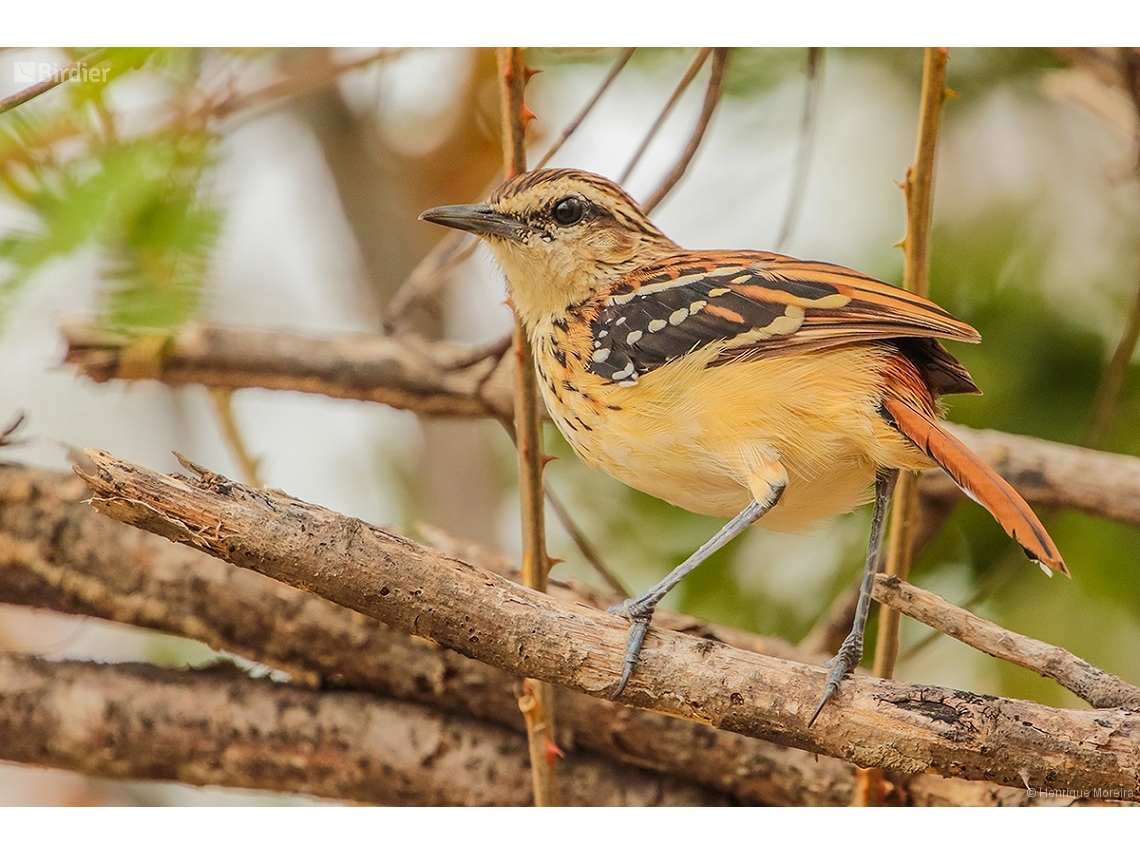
[(569, 211)]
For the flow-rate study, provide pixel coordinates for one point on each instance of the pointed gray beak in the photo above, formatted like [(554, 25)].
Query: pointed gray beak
[(477, 219)]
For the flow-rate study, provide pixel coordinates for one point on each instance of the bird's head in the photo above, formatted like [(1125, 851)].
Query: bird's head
[(560, 236)]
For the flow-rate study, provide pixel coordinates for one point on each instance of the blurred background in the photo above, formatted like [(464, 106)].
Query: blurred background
[(280, 189)]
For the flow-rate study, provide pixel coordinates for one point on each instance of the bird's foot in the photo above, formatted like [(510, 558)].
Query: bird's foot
[(640, 613), (838, 667)]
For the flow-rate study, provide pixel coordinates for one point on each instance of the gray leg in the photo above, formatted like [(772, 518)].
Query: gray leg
[(851, 651), (640, 610)]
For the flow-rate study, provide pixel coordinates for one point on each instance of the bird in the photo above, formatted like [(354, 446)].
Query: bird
[(747, 385)]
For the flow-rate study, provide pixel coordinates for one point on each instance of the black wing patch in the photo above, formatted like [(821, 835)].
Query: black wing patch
[(678, 310)]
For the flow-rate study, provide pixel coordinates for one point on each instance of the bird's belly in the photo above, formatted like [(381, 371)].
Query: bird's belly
[(696, 439)]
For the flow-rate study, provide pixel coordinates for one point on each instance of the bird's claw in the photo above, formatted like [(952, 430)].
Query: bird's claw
[(639, 615), (838, 667)]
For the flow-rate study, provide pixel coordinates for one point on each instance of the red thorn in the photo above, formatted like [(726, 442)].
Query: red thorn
[(553, 562), (507, 302), (547, 458), (530, 72), (553, 752), (527, 115)]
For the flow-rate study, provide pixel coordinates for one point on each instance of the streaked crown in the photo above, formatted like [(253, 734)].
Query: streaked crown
[(560, 236)]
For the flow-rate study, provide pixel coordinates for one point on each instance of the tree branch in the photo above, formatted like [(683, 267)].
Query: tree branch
[(1101, 689), (404, 372), (56, 553), (220, 727), (875, 722), (14, 100)]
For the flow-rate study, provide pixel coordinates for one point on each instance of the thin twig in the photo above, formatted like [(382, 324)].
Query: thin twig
[(919, 190), (537, 699), (615, 70), (222, 401), (10, 428), (429, 275), (712, 98), (311, 77), (584, 545), (36, 89), (812, 84), (1101, 689), (686, 79)]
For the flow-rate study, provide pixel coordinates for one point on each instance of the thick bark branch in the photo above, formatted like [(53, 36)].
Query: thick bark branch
[(220, 727), (56, 553), (875, 722), (404, 372)]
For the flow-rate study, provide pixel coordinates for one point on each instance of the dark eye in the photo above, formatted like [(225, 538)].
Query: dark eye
[(569, 211)]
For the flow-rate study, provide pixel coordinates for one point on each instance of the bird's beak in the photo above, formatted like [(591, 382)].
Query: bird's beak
[(477, 219)]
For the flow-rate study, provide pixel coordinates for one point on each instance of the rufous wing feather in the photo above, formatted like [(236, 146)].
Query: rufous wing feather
[(978, 481)]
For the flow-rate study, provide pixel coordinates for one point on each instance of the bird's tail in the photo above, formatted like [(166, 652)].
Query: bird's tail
[(978, 481)]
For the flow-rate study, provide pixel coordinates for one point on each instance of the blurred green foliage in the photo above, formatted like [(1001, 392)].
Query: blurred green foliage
[(139, 200)]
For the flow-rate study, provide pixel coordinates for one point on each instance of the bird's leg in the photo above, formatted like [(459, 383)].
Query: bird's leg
[(851, 650), (640, 609)]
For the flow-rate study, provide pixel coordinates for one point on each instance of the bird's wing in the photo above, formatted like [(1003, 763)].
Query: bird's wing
[(760, 305)]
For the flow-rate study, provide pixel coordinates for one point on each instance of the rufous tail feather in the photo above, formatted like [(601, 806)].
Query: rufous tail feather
[(978, 481)]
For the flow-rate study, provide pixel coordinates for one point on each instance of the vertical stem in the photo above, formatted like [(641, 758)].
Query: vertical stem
[(536, 701), (222, 400), (919, 190)]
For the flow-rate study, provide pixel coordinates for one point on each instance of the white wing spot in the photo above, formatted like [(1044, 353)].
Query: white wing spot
[(716, 292), (602, 355), (620, 321), (620, 299), (634, 337), (625, 372), (656, 325), (603, 333), (678, 316), (696, 306)]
